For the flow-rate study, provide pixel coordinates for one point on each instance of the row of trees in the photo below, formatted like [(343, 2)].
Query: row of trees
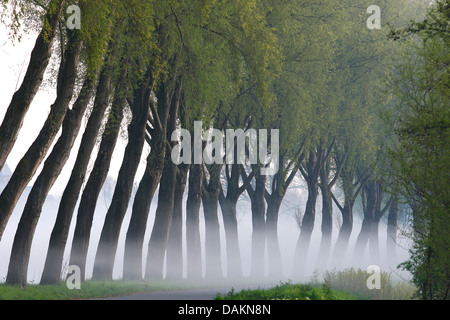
[(312, 70)]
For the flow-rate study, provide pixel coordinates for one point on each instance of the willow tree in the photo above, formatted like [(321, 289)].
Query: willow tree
[(39, 60), (191, 54), (54, 164)]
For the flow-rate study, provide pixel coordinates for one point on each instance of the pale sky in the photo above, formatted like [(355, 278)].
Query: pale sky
[(14, 58)]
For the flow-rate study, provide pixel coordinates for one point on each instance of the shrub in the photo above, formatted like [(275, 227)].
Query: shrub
[(355, 281)]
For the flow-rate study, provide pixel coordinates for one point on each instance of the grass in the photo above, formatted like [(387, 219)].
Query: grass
[(97, 289), (89, 289), (349, 284), (355, 281), (289, 291)]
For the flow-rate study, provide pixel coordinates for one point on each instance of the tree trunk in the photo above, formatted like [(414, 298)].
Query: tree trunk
[(391, 241), (70, 195), (210, 199), (22, 99), (369, 200), (374, 242), (17, 272), (175, 242), (54, 260), (362, 241), (169, 98), (106, 252), (327, 222), (259, 226), (194, 253), (163, 219), (88, 202), (273, 246), (234, 266), (340, 248), (311, 176), (134, 242), (304, 239)]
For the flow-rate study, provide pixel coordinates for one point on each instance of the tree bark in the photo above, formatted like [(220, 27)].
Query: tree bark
[(304, 238), (106, 252), (326, 228), (175, 242), (88, 202), (70, 195), (228, 205), (369, 199), (341, 246), (210, 200), (141, 206), (53, 263), (234, 266), (258, 206), (134, 242), (170, 97), (280, 183), (163, 219), (351, 190), (22, 99), (327, 212), (311, 176), (194, 253), (17, 272), (273, 246), (391, 241)]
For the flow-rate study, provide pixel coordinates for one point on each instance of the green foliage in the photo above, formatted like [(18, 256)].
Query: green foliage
[(91, 289), (354, 281), (420, 152), (288, 291)]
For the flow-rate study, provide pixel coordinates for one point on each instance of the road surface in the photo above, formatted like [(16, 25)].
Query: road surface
[(189, 294)]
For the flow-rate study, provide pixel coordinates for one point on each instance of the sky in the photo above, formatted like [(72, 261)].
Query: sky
[(14, 58)]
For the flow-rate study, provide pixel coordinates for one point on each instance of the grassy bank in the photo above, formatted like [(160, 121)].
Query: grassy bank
[(349, 284), (289, 291), (91, 289), (94, 289)]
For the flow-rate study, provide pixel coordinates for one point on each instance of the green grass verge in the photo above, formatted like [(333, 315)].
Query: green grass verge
[(97, 289), (89, 289), (289, 291)]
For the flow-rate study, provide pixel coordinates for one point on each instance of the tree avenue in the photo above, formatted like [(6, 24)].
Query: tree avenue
[(230, 112)]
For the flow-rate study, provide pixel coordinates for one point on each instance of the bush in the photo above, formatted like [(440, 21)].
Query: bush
[(288, 291), (355, 281)]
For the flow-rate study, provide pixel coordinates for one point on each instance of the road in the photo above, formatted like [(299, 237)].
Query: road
[(188, 294)]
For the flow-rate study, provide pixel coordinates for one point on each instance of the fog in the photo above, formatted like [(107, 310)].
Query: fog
[(288, 233)]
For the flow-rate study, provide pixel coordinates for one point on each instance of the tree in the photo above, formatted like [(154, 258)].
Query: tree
[(420, 153), (310, 172), (97, 177), (109, 238), (326, 184), (372, 200), (58, 239), (24, 235), (21, 101)]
